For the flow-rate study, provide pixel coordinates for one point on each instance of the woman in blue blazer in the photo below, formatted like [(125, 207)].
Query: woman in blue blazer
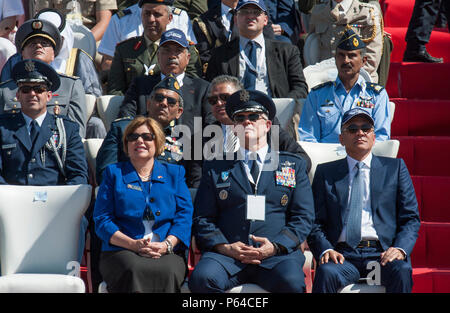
[(143, 215)]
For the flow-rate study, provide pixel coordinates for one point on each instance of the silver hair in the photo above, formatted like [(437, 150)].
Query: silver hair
[(221, 79)]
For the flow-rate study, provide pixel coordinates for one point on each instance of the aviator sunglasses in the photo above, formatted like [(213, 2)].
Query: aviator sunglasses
[(353, 128), (252, 117), (213, 99), (145, 136), (159, 97), (36, 89)]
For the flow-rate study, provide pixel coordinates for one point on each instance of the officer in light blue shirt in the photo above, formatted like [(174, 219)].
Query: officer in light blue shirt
[(325, 105)]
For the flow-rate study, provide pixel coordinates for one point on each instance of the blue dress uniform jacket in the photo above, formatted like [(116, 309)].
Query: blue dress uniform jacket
[(121, 203), (325, 105), (70, 97), (22, 164), (393, 201), (289, 211)]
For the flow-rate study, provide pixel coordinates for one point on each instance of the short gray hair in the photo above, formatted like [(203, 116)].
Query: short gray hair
[(222, 79)]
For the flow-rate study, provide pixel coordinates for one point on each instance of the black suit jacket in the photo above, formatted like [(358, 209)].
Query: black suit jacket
[(194, 92), (217, 33), (284, 67)]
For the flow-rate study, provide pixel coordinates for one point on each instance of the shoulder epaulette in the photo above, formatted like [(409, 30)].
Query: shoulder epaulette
[(122, 13), (128, 39), (322, 85), (203, 28), (69, 76), (176, 11), (375, 87), (5, 82)]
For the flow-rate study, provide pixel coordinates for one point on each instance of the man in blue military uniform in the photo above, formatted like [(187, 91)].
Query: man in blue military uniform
[(252, 212), (165, 105), (38, 148), (320, 120)]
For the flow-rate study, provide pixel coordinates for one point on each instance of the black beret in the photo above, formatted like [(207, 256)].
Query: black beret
[(35, 71), (350, 41), (250, 101), (166, 2), (42, 28)]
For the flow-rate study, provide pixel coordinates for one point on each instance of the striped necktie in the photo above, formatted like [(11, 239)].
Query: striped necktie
[(355, 209)]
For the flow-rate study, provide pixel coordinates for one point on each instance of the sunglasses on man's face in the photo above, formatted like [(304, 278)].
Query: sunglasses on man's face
[(159, 97), (252, 117), (353, 128), (145, 136), (44, 43), (36, 89), (223, 97)]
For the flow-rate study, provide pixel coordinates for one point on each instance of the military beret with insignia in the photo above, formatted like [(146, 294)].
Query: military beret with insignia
[(250, 101), (174, 35), (38, 28), (35, 71), (170, 83), (166, 2), (350, 41)]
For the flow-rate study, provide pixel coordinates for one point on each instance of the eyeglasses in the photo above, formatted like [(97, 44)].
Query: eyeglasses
[(159, 97), (223, 97), (145, 136), (44, 43), (255, 12), (353, 128), (252, 117), (36, 89)]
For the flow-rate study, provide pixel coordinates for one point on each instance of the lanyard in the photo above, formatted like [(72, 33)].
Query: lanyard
[(260, 61)]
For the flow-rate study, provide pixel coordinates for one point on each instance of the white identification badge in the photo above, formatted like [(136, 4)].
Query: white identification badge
[(40, 196), (256, 207)]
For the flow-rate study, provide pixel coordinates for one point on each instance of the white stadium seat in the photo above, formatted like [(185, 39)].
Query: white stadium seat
[(288, 113), (91, 147), (90, 104), (108, 108), (39, 237)]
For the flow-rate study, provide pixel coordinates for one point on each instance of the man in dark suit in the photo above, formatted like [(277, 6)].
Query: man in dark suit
[(252, 212), (216, 27), (220, 89), (272, 67), (38, 148), (366, 212), (173, 57)]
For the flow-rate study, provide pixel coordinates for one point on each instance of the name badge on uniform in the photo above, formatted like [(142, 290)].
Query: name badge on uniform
[(256, 208), (130, 186), (11, 145)]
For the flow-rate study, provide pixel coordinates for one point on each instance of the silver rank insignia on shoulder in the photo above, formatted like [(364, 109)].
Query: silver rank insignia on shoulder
[(224, 175), (223, 194)]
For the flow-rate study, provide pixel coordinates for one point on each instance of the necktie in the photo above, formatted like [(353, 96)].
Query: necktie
[(34, 131), (231, 140), (355, 210), (249, 79), (254, 170)]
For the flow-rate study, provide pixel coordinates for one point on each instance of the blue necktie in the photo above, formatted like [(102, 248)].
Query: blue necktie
[(249, 79), (355, 210), (34, 131)]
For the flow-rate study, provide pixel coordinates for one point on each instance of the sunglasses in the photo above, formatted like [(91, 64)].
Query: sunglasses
[(159, 97), (223, 97), (145, 136), (255, 12), (44, 43), (252, 117), (353, 128), (36, 89)]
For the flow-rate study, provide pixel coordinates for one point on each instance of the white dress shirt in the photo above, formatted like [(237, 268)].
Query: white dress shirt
[(262, 152), (262, 79), (226, 16), (39, 120)]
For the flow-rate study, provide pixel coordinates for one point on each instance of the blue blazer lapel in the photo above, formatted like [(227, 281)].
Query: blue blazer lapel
[(239, 174), (341, 182), (377, 175), (22, 133)]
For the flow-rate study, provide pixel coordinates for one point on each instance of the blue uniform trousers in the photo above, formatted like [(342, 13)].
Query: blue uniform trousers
[(396, 276), (210, 276)]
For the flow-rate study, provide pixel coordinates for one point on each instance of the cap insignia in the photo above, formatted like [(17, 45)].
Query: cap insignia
[(29, 66), (244, 96), (36, 25)]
